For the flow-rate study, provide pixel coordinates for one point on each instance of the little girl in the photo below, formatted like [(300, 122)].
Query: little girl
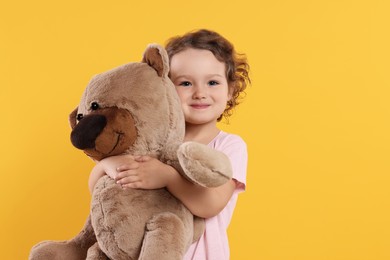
[(209, 77)]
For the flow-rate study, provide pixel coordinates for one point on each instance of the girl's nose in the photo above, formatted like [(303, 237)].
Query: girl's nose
[(199, 92)]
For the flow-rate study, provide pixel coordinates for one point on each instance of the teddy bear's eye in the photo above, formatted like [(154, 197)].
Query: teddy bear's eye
[(80, 116), (94, 106)]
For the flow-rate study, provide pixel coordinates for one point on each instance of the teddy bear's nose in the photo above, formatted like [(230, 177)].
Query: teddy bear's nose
[(87, 130)]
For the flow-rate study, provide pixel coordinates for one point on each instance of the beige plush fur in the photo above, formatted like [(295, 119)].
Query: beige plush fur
[(134, 109)]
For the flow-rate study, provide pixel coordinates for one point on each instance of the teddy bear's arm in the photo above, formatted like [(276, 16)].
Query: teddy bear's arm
[(204, 165)]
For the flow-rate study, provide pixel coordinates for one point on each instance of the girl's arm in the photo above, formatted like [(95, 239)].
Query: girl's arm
[(153, 174), (108, 166), (96, 173), (201, 201)]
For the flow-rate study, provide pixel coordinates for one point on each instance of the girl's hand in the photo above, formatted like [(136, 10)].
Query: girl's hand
[(145, 173), (110, 164)]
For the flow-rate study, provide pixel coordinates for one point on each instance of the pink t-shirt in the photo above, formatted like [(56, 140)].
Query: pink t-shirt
[(214, 244)]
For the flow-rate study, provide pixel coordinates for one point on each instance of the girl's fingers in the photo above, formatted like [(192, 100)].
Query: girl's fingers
[(133, 185), (124, 174), (126, 167), (128, 180)]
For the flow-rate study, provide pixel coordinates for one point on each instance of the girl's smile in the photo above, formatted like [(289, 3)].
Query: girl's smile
[(200, 106)]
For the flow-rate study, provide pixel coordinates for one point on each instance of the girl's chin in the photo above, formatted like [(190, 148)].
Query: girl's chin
[(199, 121)]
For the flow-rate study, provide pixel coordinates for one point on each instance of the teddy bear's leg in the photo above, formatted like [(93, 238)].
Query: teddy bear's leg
[(73, 249), (165, 238), (95, 253), (204, 165)]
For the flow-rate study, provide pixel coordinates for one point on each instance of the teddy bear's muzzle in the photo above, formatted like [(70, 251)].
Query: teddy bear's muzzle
[(87, 130), (104, 132)]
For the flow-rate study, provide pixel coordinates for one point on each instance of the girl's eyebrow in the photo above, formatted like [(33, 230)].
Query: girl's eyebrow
[(215, 75), (173, 77), (183, 76), (186, 76)]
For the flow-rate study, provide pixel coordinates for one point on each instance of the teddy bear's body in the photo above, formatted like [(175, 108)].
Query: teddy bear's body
[(159, 221), (134, 109)]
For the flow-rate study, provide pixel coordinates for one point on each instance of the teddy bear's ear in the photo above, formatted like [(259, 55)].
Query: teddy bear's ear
[(156, 57), (72, 118)]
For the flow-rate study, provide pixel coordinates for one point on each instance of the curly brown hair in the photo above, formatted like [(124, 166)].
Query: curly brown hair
[(237, 67)]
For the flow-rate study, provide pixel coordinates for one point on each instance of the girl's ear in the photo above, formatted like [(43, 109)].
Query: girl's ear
[(157, 57)]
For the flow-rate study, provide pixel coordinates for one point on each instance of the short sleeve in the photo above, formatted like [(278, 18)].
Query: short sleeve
[(235, 148)]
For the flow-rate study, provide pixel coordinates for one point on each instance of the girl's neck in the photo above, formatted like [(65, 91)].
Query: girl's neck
[(203, 134)]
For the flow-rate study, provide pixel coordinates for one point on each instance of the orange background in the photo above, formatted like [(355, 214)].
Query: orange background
[(316, 119)]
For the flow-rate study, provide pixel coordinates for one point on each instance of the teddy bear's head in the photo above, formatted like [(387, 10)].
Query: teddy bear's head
[(133, 109)]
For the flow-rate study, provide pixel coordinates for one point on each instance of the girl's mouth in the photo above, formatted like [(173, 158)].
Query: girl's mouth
[(200, 106)]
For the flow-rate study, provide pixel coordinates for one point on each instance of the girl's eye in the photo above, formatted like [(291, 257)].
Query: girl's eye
[(213, 83), (185, 84)]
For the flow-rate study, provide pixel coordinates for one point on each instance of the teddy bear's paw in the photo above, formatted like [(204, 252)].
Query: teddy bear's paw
[(95, 253), (166, 238), (57, 250), (204, 165)]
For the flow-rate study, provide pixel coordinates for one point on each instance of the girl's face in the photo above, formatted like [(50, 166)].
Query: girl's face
[(201, 83)]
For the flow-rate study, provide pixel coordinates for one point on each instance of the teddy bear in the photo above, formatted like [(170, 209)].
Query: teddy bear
[(134, 109)]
